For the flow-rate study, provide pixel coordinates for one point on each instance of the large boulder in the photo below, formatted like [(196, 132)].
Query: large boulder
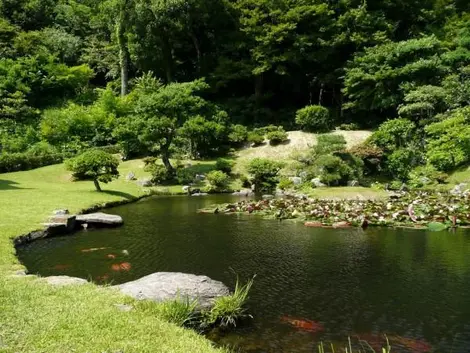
[(99, 218), (163, 286)]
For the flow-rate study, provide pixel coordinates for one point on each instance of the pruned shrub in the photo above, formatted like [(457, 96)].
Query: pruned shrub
[(96, 165), (277, 137), (218, 180), (224, 165), (338, 169), (264, 173), (255, 137), (285, 184), (185, 175), (371, 155), (314, 118), (14, 162), (159, 174), (426, 175), (238, 134), (349, 127)]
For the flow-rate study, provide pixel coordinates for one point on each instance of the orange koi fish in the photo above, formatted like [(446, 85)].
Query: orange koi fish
[(61, 267), (124, 266), (92, 249), (303, 324)]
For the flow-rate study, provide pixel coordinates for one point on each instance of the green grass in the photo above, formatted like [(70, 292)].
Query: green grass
[(36, 317)]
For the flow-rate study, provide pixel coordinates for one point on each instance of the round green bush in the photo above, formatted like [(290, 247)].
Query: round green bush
[(255, 137), (285, 183), (264, 173), (224, 165), (217, 179), (314, 118), (185, 176), (238, 134), (277, 137), (158, 172)]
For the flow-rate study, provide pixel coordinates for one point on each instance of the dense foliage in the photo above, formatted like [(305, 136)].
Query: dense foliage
[(196, 78)]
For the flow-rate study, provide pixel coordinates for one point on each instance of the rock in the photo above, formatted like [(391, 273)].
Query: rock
[(130, 176), (296, 180), (279, 193), (65, 280), (60, 212), (403, 187), (268, 197), (303, 175), (144, 182), (61, 224), (353, 183), (244, 192), (459, 189), (186, 188), (342, 224), (296, 214), (162, 286), (313, 224), (317, 183), (100, 218), (200, 194), (200, 177), (188, 165)]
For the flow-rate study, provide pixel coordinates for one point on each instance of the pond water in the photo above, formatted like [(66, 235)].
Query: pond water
[(313, 285)]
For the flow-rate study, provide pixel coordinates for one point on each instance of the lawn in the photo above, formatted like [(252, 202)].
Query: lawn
[(36, 317)]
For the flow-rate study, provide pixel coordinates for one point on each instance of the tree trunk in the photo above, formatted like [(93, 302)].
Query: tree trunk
[(97, 185), (167, 163), (123, 50), (198, 50), (168, 59), (320, 96)]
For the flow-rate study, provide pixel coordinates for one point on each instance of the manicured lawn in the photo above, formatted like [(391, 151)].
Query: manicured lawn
[(36, 317)]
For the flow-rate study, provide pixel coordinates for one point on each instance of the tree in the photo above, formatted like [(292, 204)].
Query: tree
[(264, 173), (96, 165)]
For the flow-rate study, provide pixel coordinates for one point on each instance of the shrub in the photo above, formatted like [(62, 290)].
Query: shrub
[(159, 173), (96, 165), (245, 181), (425, 175), (285, 183), (42, 149), (185, 176), (393, 134), (238, 134), (227, 310), (255, 137), (224, 165), (329, 143), (349, 127), (449, 141), (264, 173), (217, 179), (371, 155), (332, 170), (400, 163), (277, 137), (314, 118), (14, 162)]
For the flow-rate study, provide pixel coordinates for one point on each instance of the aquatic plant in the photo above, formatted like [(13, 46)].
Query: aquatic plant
[(365, 348), (415, 209), (230, 309)]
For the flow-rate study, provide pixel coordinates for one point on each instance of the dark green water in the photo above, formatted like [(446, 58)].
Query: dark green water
[(412, 285)]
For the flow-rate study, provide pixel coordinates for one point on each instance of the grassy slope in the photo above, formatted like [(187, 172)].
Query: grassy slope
[(36, 317)]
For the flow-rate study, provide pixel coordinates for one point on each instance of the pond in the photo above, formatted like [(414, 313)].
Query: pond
[(312, 284)]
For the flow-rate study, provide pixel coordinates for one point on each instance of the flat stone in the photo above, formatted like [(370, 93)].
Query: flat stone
[(60, 212), (313, 224), (100, 218), (164, 286), (64, 280)]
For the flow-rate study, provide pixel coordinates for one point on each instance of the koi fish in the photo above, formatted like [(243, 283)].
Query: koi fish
[(102, 278), (124, 266), (415, 345), (306, 325), (61, 267), (92, 249), (111, 256)]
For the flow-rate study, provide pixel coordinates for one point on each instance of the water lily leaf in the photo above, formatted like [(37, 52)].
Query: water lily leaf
[(436, 226)]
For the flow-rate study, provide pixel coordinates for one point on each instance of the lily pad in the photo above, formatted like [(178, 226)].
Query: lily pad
[(436, 226)]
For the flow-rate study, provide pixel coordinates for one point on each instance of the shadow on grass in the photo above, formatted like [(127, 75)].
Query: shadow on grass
[(120, 194), (10, 185)]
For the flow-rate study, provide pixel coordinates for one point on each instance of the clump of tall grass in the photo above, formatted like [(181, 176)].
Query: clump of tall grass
[(180, 311), (365, 347), (230, 309)]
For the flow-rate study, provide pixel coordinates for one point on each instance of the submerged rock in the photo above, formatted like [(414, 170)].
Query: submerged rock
[(163, 286), (99, 218)]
